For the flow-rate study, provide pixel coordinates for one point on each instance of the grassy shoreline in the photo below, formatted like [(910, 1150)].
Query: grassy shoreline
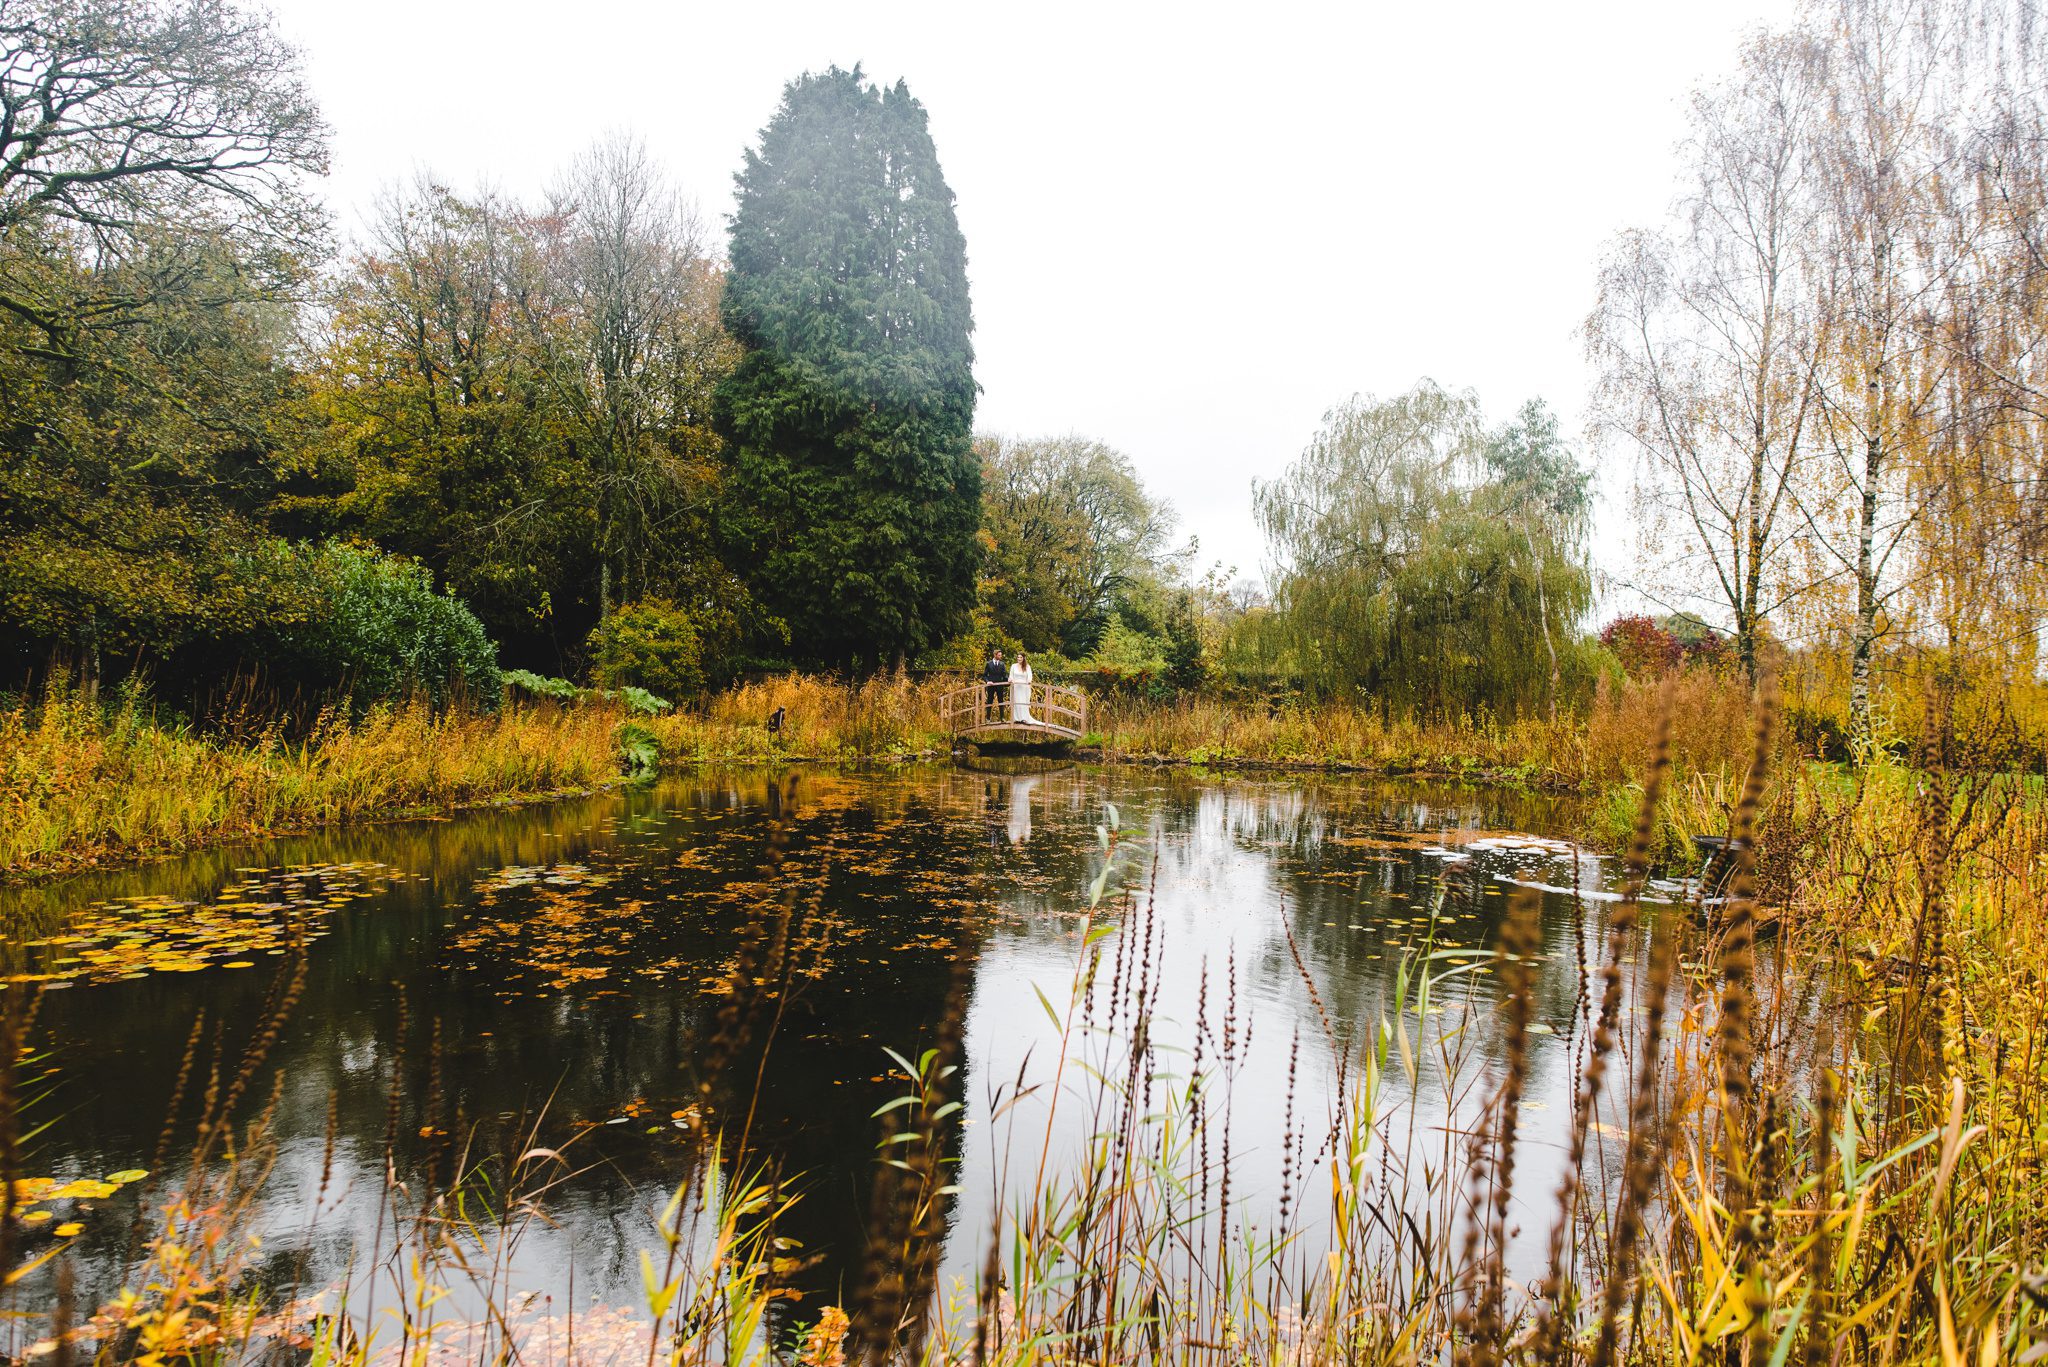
[(86, 786), (83, 786)]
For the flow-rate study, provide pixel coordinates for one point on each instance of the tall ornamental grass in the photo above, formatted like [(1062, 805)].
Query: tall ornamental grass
[(80, 783)]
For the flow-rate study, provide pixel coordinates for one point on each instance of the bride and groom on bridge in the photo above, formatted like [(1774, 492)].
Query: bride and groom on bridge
[(1012, 684)]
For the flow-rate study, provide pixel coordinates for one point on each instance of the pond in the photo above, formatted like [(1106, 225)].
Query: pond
[(548, 976)]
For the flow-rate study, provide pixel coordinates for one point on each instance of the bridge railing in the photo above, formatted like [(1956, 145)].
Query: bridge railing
[(1059, 708)]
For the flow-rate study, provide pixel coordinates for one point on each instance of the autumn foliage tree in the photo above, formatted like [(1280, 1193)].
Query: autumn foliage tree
[(1830, 361), (155, 231), (520, 397), (1644, 648), (1067, 531)]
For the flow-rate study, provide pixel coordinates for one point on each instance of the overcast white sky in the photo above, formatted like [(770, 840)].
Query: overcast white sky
[(1189, 231)]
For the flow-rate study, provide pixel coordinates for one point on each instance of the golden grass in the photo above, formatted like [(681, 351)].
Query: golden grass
[(79, 784), (1336, 735), (890, 716), (1603, 746)]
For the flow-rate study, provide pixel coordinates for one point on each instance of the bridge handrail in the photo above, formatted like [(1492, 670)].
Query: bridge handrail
[(1060, 708)]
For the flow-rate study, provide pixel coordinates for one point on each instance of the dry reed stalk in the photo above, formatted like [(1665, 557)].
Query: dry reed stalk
[(1287, 1128), (988, 1325), (393, 1098), (285, 991), (1933, 850), (907, 1218), (1229, 1072), (1551, 1329), (162, 1154), (1490, 1171), (1521, 941), (431, 1128), (1649, 1139), (18, 1006), (61, 1314), (1734, 1038), (1196, 1116), (733, 1022)]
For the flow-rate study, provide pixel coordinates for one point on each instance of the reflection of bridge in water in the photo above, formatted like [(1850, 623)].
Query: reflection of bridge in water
[(1022, 764), (1059, 715)]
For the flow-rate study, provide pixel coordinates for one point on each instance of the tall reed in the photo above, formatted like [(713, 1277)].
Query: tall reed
[(80, 783)]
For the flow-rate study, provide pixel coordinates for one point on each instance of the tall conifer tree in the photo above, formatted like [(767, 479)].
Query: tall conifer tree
[(853, 493)]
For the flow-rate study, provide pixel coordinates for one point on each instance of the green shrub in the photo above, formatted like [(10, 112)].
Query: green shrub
[(641, 703), (1126, 650), (1186, 667), (381, 631), (652, 645)]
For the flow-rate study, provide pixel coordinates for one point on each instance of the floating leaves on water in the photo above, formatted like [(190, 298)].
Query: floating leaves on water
[(46, 1191), (132, 937), (641, 914), (548, 875)]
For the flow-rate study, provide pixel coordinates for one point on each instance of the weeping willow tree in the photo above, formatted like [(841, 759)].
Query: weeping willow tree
[(1419, 563)]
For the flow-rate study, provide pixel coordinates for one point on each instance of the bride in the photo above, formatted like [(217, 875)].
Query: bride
[(1020, 692)]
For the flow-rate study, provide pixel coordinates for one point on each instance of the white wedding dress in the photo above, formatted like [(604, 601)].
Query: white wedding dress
[(1020, 696), (1019, 824)]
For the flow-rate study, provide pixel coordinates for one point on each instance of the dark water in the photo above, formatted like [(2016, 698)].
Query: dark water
[(552, 966)]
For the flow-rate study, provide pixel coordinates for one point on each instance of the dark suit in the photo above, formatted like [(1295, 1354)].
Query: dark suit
[(995, 692)]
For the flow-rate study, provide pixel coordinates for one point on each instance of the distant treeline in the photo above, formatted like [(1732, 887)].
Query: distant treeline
[(576, 436)]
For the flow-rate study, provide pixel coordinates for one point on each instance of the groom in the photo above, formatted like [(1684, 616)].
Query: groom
[(995, 678)]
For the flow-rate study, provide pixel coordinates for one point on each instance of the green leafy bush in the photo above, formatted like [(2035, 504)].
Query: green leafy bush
[(380, 630), (641, 703), (652, 645)]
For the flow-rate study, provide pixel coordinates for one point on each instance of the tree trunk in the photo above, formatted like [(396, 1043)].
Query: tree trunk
[(1543, 615), (1752, 573), (89, 660), (1862, 729)]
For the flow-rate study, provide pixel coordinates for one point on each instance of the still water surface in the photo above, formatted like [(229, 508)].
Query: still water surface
[(564, 958)]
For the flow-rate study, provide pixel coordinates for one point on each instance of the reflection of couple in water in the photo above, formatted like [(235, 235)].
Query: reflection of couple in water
[(1006, 809), (1013, 683)]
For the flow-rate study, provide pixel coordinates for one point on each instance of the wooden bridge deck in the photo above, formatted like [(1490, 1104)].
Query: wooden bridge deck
[(1061, 712)]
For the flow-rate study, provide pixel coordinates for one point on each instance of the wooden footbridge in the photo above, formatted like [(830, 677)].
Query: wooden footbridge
[(1059, 715)]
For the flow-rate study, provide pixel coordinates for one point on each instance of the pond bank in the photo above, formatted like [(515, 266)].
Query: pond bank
[(85, 786), (109, 850)]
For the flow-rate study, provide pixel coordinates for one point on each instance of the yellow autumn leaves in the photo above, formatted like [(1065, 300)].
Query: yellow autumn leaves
[(32, 1196), (133, 937)]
